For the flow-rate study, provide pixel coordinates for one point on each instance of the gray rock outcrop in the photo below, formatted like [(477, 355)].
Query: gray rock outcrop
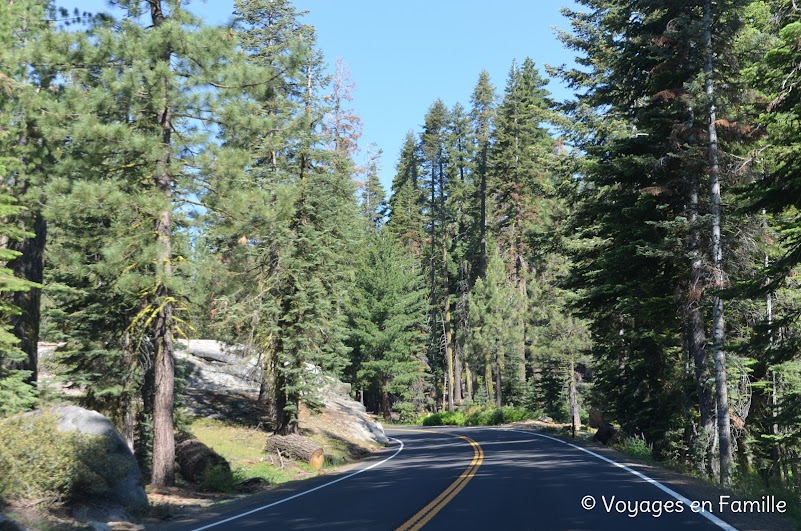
[(358, 424), (220, 367), (127, 490)]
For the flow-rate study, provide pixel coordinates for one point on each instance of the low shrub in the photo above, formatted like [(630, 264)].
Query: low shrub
[(39, 461), (493, 417), (218, 478), (479, 416), (447, 418), (407, 412), (636, 447)]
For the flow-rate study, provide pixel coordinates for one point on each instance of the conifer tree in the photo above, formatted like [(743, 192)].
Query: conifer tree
[(649, 159), (132, 141), (494, 347), (406, 198), (522, 179), (774, 199), (286, 225), (435, 162), (482, 115), (32, 54), (373, 203), (389, 311), (16, 392)]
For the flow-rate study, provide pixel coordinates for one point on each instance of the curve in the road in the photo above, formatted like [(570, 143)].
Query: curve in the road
[(429, 511), (305, 492)]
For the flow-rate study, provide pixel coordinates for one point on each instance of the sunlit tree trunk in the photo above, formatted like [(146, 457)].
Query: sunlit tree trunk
[(718, 354)]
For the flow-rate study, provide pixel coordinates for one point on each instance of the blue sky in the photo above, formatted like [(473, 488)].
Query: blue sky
[(404, 54)]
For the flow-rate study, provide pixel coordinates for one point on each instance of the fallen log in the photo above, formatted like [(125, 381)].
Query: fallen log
[(297, 447), (195, 458)]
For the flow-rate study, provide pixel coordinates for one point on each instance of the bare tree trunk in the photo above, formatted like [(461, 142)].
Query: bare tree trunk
[(457, 374), (29, 265), (575, 413), (718, 324), (127, 406), (468, 378), (446, 294), (498, 386), (385, 402), (488, 380), (696, 338)]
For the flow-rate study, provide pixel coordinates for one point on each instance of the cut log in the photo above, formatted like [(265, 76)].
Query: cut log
[(194, 458), (297, 447), (606, 434)]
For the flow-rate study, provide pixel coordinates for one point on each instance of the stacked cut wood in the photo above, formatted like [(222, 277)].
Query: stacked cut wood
[(297, 447)]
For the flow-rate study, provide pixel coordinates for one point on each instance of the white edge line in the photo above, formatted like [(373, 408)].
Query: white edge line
[(305, 492), (709, 516)]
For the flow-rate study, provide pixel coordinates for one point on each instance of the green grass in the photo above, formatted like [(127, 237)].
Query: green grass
[(243, 448)]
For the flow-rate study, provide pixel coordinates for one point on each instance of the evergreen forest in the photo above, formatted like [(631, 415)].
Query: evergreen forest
[(635, 249)]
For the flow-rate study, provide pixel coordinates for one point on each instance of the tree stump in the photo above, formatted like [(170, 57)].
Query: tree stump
[(606, 434), (194, 458), (298, 447)]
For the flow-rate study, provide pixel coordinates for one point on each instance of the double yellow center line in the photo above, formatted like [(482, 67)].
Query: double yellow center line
[(429, 511)]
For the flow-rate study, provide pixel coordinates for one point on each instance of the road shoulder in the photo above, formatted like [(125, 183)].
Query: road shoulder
[(693, 489)]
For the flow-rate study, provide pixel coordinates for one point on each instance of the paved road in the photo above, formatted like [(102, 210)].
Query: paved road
[(473, 479)]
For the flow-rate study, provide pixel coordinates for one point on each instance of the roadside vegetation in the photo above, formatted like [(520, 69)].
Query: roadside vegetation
[(479, 416), (39, 462)]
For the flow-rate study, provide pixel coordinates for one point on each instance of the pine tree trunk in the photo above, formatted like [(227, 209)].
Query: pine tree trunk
[(498, 386), (468, 376), (128, 410), (164, 400), (457, 375), (718, 331), (696, 338), (295, 445), (488, 380), (163, 474), (449, 380), (282, 420), (385, 402), (30, 266), (482, 264), (575, 412), (285, 423)]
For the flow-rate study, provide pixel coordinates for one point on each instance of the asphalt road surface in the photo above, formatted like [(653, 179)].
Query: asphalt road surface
[(481, 478)]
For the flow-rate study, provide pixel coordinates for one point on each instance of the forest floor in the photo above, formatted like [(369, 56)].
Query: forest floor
[(233, 425)]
